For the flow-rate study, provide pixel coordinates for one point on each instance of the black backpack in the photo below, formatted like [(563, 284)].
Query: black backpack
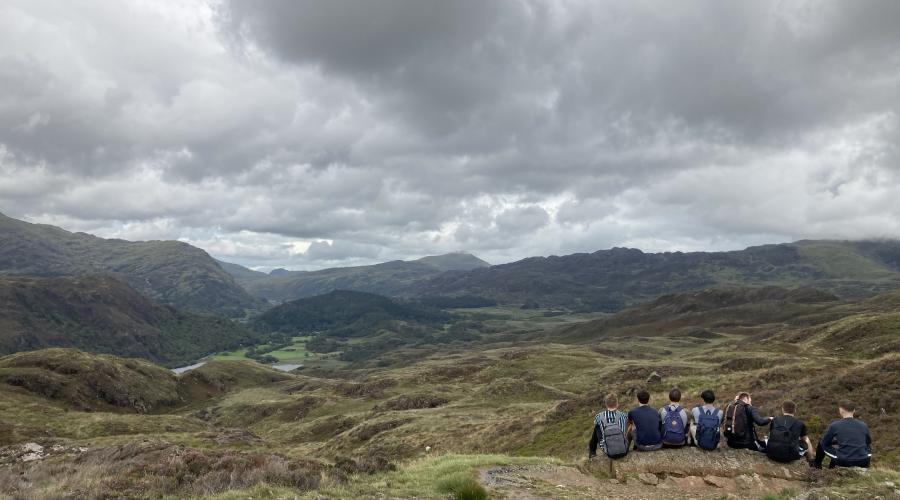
[(784, 440), (736, 420)]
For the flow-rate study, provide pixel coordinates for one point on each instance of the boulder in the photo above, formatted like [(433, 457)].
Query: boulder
[(654, 378), (647, 478), (687, 483), (726, 483)]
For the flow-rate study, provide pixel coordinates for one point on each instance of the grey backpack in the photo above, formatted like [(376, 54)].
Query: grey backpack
[(614, 443)]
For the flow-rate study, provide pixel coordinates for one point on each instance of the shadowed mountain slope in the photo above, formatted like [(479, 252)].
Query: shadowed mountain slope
[(171, 272), (102, 314)]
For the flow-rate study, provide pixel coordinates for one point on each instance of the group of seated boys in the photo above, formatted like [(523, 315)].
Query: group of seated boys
[(846, 441)]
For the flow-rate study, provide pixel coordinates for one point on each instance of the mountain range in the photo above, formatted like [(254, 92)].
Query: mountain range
[(186, 277), (150, 299), (609, 280), (393, 278), (606, 280)]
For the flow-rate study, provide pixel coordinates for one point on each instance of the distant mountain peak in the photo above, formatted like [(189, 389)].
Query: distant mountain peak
[(454, 261)]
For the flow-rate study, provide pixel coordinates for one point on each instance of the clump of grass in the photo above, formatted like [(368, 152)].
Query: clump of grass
[(462, 486), (413, 402), (784, 494), (371, 389)]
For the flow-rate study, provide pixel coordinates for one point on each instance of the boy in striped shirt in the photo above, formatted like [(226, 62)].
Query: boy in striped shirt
[(610, 416)]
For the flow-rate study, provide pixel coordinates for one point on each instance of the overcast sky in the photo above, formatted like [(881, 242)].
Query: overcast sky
[(309, 134)]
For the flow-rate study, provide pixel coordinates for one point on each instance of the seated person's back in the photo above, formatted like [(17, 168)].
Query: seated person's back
[(846, 440), (609, 430), (788, 439), (675, 425), (744, 418), (646, 423), (705, 431)]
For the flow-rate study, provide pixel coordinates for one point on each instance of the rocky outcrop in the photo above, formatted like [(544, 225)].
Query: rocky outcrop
[(720, 473), (685, 473), (725, 463)]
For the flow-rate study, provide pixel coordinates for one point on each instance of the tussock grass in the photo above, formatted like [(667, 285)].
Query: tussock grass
[(462, 486)]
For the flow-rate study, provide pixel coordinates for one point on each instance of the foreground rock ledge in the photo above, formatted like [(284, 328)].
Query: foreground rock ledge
[(682, 462)]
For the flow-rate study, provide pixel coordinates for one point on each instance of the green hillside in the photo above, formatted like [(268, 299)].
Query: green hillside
[(240, 273), (170, 272), (340, 309), (103, 314)]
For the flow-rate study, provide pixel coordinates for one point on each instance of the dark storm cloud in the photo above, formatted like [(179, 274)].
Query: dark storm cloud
[(397, 128)]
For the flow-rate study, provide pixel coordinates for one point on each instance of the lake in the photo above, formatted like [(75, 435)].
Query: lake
[(285, 367)]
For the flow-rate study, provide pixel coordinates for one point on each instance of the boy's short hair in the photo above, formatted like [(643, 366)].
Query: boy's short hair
[(611, 400), (708, 396), (643, 397), (789, 407), (744, 395), (675, 395), (847, 405)]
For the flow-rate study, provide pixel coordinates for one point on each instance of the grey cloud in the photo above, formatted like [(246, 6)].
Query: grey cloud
[(340, 250), (400, 128)]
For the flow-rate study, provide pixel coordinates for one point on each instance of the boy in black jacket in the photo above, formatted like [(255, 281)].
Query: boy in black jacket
[(745, 419)]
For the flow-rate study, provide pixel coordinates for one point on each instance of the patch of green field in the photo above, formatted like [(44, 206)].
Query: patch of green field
[(237, 355), (295, 353)]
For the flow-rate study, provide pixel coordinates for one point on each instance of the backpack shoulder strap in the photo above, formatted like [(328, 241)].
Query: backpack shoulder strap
[(605, 418)]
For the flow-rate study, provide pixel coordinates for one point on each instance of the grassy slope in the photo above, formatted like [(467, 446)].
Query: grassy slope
[(531, 397)]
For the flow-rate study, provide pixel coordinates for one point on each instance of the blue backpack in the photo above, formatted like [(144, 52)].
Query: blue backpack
[(673, 426), (708, 429)]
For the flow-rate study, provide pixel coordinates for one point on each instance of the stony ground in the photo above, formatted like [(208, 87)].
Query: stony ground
[(668, 473)]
